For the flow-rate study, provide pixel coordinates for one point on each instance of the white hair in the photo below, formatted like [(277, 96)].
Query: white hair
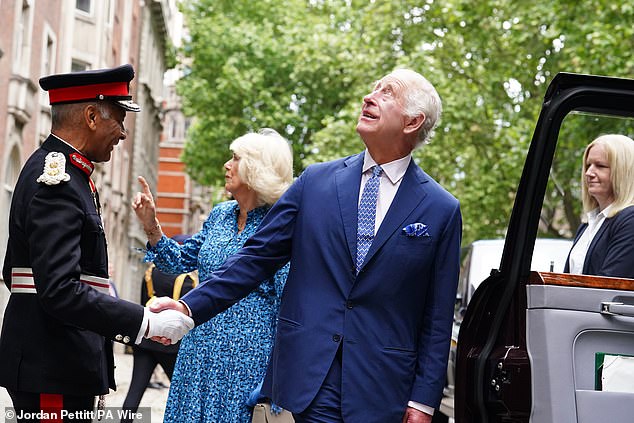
[(420, 97), (266, 163)]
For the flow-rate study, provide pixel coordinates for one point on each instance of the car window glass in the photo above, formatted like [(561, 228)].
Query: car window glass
[(562, 208)]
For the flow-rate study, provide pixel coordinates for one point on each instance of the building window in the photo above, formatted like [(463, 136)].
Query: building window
[(49, 56), (173, 128), (84, 6), (110, 15), (22, 40), (12, 171), (79, 66)]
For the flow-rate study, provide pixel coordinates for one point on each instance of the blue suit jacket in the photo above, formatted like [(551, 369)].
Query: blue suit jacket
[(611, 252), (394, 319)]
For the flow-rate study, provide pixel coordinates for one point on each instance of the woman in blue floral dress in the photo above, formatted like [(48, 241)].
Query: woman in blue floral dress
[(222, 361)]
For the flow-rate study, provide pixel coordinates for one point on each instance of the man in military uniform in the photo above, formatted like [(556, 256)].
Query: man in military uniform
[(55, 346)]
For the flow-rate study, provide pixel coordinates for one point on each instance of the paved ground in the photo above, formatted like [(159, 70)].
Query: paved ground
[(154, 398)]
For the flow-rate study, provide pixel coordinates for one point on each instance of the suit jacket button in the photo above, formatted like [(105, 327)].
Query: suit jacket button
[(126, 339), (349, 305), (336, 338), (118, 337)]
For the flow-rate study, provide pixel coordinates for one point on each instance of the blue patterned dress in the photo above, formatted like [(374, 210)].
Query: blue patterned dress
[(223, 360)]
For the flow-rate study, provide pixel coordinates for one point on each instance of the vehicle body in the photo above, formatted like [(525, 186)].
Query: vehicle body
[(529, 342), (481, 258), (484, 256)]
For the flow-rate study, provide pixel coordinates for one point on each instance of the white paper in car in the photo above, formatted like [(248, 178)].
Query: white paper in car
[(618, 373)]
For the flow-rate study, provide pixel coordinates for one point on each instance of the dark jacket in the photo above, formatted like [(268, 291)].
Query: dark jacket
[(58, 340), (611, 252), (392, 320)]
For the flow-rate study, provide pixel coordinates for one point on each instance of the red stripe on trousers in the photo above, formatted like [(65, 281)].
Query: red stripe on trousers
[(52, 404)]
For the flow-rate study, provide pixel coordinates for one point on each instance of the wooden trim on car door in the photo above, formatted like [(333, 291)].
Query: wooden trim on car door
[(581, 281)]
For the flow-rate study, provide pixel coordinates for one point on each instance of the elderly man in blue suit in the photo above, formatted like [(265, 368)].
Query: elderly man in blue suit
[(374, 244)]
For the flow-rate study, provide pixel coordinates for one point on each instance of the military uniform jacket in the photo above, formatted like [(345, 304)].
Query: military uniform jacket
[(56, 336)]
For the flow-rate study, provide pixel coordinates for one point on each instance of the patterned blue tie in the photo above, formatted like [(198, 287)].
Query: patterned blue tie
[(367, 213)]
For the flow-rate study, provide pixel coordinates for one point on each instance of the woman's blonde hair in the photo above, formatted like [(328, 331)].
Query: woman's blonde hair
[(266, 163), (620, 154)]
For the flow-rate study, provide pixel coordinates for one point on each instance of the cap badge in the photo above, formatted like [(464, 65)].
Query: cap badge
[(54, 169)]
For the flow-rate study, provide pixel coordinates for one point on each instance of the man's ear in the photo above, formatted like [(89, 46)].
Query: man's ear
[(413, 124), (90, 116)]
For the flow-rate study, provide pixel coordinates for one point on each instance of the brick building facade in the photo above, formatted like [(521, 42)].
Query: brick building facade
[(43, 37)]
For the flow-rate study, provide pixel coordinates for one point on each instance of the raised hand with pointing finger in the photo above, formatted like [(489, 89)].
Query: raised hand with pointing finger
[(224, 357), (145, 209)]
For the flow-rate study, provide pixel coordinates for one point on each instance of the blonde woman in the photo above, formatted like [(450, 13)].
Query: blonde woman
[(223, 360), (603, 244)]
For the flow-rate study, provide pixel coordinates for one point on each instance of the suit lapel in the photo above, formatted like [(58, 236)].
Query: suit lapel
[(409, 195), (348, 181)]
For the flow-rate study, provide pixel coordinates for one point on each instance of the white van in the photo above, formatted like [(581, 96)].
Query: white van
[(485, 255)]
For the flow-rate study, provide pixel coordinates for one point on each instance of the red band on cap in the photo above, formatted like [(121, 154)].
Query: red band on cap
[(88, 92)]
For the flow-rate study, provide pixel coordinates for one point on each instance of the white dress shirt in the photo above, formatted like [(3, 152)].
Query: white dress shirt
[(580, 249), (391, 178)]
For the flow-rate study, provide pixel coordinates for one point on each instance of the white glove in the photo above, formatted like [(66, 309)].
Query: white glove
[(170, 324)]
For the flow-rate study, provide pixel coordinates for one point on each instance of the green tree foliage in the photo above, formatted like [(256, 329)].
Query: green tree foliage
[(302, 68)]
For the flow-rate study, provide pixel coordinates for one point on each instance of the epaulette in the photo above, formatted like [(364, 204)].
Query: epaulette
[(54, 169)]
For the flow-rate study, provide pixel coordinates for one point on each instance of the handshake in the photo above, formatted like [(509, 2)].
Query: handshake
[(168, 321)]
